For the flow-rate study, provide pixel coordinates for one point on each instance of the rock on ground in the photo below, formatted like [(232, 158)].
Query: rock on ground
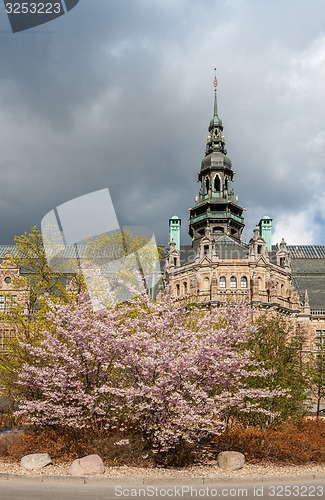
[(35, 461), (231, 460), (92, 464)]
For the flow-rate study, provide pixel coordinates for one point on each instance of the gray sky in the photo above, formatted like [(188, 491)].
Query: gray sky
[(119, 94)]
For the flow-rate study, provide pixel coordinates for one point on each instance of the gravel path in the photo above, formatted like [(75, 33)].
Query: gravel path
[(210, 470)]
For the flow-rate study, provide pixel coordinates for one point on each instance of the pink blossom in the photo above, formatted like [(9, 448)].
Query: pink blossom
[(152, 367)]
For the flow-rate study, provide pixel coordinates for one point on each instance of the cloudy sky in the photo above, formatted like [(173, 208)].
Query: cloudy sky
[(119, 94)]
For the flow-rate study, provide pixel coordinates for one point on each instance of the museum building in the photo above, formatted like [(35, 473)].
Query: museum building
[(218, 265)]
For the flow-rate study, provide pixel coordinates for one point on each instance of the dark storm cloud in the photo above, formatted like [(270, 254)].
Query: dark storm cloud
[(119, 94)]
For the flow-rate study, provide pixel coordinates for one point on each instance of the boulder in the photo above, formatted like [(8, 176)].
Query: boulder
[(35, 461), (92, 464), (231, 460)]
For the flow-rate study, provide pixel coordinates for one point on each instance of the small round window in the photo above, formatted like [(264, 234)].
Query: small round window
[(8, 280)]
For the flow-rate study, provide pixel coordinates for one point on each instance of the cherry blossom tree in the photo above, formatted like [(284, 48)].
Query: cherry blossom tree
[(153, 368)]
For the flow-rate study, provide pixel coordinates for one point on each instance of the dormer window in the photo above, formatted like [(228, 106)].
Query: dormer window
[(206, 249)]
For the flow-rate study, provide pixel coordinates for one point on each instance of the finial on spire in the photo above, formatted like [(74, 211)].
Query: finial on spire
[(215, 81), (215, 85)]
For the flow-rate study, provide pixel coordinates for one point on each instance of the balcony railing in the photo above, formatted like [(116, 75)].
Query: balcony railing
[(222, 215), (317, 312)]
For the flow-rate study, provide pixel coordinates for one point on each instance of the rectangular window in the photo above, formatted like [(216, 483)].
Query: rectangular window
[(320, 340), (5, 336), (7, 302)]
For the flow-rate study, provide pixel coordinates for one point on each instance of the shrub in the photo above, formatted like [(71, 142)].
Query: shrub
[(291, 443), (68, 445)]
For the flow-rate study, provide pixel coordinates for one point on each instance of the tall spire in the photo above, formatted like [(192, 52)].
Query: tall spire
[(216, 140), (216, 205)]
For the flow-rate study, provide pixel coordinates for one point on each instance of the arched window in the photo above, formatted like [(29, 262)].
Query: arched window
[(178, 290), (207, 185), (222, 282), (243, 282), (233, 282), (217, 183), (185, 288)]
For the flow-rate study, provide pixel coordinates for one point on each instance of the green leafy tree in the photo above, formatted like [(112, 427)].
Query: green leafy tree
[(278, 344), (30, 317), (42, 280), (112, 262)]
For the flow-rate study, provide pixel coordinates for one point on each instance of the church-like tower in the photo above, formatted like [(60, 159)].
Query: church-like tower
[(216, 205), (218, 267)]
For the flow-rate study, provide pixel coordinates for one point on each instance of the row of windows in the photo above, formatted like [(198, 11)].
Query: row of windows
[(216, 185), (7, 302), (222, 284), (178, 289), (233, 282)]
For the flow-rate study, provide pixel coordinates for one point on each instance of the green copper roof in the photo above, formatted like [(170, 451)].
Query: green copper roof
[(215, 121)]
